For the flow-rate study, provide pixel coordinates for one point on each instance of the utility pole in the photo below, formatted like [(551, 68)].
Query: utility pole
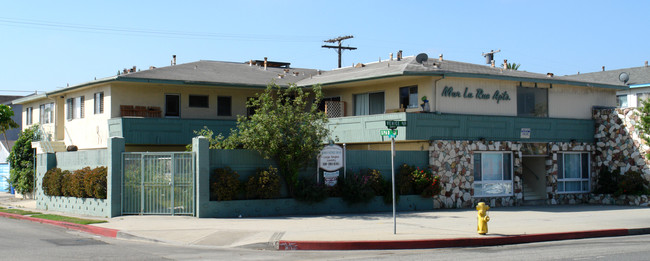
[(339, 47)]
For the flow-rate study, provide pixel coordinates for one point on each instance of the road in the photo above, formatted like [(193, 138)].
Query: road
[(24, 240)]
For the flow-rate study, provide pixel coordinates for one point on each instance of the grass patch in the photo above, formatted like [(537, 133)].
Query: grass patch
[(18, 211), (81, 221)]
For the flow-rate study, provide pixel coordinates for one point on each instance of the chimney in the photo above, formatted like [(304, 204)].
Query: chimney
[(399, 55), (391, 58), (134, 68), (551, 74), (174, 59), (646, 63), (152, 67), (603, 68), (492, 63), (266, 59), (505, 63), (250, 63), (440, 58)]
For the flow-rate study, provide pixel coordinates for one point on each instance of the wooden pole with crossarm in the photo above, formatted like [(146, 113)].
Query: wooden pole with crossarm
[(339, 47)]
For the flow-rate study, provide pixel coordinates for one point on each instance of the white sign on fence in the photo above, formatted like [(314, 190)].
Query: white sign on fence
[(331, 158)]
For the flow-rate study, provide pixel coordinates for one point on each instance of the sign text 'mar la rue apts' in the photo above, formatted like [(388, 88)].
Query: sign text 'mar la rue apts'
[(479, 94)]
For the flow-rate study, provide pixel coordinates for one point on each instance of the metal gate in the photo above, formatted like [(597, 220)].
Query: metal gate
[(158, 183)]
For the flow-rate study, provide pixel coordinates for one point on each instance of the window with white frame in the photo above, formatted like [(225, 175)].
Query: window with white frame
[(492, 174), (46, 113), (75, 108), (573, 172), (28, 115), (99, 102)]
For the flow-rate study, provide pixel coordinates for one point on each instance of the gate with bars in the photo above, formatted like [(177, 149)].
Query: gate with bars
[(160, 183)]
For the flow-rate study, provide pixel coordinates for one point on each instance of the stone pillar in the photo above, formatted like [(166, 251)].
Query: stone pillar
[(201, 150), (114, 178)]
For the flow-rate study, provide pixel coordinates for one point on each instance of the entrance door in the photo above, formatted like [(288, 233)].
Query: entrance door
[(158, 183), (534, 178)]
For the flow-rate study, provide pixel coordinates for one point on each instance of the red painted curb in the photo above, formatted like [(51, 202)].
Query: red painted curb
[(107, 232), (443, 243)]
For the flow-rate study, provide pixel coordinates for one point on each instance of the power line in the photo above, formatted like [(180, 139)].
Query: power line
[(50, 25), (339, 47)]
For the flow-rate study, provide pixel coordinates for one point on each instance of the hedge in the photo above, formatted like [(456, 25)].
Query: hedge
[(82, 183)]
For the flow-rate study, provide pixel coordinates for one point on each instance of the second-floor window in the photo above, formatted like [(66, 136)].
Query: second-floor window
[(46, 113), (75, 108), (408, 97), (199, 101), (99, 102), (369, 103), (28, 115), (532, 102), (224, 106)]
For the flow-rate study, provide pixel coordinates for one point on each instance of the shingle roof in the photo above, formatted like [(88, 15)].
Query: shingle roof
[(638, 75), (227, 73), (408, 66)]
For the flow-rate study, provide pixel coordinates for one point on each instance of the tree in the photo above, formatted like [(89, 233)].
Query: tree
[(6, 122), (644, 123), (286, 127), (512, 66), (21, 158)]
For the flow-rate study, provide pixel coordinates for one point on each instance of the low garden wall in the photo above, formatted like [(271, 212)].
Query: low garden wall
[(70, 161)]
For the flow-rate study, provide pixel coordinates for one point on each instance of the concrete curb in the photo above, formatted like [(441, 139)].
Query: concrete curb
[(454, 242), (106, 232)]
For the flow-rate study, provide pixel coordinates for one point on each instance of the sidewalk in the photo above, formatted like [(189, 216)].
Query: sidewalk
[(437, 228)]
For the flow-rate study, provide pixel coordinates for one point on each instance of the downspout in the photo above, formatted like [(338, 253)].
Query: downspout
[(435, 94)]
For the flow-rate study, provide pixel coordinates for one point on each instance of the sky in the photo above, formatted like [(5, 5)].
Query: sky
[(46, 45)]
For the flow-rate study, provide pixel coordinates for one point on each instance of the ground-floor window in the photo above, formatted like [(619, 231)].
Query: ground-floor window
[(492, 174), (573, 172)]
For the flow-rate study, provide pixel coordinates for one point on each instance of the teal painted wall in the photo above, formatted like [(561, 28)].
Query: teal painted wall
[(430, 126), (364, 128), (70, 161), (164, 131), (380, 160)]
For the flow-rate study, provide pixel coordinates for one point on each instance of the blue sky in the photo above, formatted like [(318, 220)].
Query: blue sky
[(48, 44)]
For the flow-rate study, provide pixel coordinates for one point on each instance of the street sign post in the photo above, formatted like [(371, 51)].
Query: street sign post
[(392, 134), (395, 124), (389, 133)]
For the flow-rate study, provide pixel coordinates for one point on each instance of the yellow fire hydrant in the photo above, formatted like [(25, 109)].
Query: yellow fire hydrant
[(483, 218)]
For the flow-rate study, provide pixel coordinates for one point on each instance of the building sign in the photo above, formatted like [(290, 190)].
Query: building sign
[(525, 133), (331, 158), (478, 94), (331, 178)]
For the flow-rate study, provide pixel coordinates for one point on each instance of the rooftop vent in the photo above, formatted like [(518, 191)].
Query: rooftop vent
[(271, 64)]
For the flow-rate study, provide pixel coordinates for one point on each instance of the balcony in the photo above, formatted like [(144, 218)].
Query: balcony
[(164, 131), (431, 126), (140, 111)]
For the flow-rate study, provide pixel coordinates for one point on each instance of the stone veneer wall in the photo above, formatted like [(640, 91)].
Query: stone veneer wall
[(618, 141), (452, 160)]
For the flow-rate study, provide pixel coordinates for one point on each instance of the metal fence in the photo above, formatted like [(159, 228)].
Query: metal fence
[(159, 183)]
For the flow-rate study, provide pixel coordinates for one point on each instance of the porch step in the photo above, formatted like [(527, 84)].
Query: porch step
[(49, 146), (537, 202), (529, 194)]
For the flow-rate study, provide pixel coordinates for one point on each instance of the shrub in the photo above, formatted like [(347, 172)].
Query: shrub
[(264, 184), (77, 182), (66, 184), (607, 181), (95, 183), (404, 179), (52, 182), (632, 183), (425, 183), (310, 192), (356, 188), (224, 184)]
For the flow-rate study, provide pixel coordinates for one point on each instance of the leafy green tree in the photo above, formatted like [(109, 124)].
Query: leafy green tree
[(644, 123), (6, 122), (21, 158), (513, 66), (286, 127)]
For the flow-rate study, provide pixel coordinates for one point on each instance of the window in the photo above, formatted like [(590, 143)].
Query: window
[(224, 105), (99, 102), (28, 115), (199, 101), (46, 113), (250, 110), (75, 108), (621, 101), (408, 97), (492, 174), (573, 172), (172, 105), (532, 102), (369, 103)]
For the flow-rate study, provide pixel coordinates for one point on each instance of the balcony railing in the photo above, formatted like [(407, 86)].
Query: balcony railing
[(334, 109), (140, 111)]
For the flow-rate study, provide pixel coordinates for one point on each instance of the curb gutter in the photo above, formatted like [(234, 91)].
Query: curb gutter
[(455, 242), (106, 232)]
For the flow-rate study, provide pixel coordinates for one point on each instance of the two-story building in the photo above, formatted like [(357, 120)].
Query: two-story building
[(493, 134)]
